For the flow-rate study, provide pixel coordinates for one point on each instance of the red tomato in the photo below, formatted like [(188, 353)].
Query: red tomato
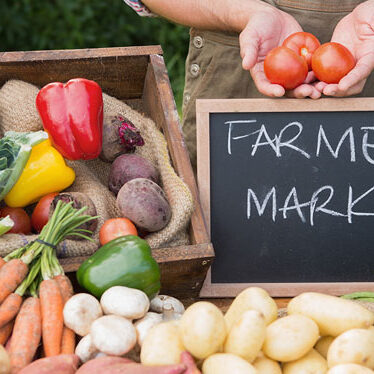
[(22, 224), (114, 228), (40, 214), (331, 62), (285, 67), (304, 44)]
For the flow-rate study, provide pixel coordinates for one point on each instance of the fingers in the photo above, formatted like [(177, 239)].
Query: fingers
[(360, 72), (336, 91), (249, 45), (310, 77), (305, 90), (262, 83)]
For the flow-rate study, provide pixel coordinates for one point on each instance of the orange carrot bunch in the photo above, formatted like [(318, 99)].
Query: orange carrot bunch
[(34, 270)]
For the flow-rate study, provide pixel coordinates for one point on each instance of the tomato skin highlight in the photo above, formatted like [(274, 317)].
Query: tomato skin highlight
[(285, 67), (331, 62), (304, 44), (22, 224), (114, 228), (40, 214)]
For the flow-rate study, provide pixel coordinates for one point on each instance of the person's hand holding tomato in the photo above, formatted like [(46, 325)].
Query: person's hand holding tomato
[(266, 30), (356, 32)]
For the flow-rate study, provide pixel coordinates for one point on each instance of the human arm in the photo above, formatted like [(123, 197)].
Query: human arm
[(260, 25), (356, 32)]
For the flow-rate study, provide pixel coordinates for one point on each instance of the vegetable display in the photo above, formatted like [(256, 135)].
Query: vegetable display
[(288, 64), (72, 114), (125, 261)]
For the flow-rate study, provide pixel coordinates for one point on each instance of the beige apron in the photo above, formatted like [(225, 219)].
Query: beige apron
[(213, 65)]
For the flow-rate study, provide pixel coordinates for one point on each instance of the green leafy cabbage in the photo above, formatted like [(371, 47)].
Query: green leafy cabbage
[(15, 149)]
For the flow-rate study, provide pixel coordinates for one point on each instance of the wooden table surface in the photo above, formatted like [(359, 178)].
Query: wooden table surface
[(224, 303)]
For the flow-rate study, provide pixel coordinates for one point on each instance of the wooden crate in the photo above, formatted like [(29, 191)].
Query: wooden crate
[(136, 75)]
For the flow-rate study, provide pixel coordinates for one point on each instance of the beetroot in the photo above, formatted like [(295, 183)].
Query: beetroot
[(130, 166)]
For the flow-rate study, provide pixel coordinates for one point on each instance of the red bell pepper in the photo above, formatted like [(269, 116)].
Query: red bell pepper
[(72, 114)]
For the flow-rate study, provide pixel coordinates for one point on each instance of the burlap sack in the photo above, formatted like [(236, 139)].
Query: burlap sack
[(18, 113)]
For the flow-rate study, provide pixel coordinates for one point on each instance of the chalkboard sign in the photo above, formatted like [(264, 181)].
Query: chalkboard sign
[(287, 188)]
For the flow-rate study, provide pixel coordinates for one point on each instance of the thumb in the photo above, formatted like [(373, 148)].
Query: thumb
[(249, 46)]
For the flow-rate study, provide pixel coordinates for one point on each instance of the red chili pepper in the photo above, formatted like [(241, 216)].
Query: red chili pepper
[(72, 114)]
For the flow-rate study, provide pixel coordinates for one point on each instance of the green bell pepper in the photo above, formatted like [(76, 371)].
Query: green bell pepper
[(125, 261)]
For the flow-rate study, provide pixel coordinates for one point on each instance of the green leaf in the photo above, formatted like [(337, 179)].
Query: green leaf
[(15, 149)]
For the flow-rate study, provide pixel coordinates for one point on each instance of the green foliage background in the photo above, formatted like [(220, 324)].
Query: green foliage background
[(69, 24)]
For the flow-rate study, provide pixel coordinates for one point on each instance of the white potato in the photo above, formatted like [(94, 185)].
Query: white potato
[(203, 329), (323, 344), (85, 349), (354, 346), (252, 298), (113, 335), (247, 335), (311, 363), (290, 338), (162, 345), (265, 365), (224, 363), (350, 369), (125, 302), (332, 314)]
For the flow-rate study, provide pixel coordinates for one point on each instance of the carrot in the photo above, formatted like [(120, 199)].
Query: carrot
[(9, 308), (5, 332), (26, 334), (68, 341), (11, 275), (65, 286), (2, 262), (52, 305), (68, 335)]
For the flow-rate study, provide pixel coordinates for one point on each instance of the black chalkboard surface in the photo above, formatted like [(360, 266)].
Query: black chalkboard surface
[(291, 194)]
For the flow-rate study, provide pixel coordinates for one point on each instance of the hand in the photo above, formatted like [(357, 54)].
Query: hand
[(266, 30), (356, 32)]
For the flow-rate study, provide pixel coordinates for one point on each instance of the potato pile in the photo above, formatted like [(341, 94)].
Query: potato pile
[(321, 334)]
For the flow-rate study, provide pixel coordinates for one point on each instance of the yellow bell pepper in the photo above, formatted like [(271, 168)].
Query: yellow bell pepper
[(45, 172)]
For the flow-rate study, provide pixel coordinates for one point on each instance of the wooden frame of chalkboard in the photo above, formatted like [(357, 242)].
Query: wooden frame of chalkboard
[(204, 109)]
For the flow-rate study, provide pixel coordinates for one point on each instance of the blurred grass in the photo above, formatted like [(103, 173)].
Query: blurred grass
[(69, 24)]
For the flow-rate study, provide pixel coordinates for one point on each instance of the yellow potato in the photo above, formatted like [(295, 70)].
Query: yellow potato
[(350, 369), (333, 315), (247, 335), (227, 363), (252, 298), (265, 365), (354, 346), (290, 338), (311, 363), (203, 329), (323, 345), (162, 345)]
